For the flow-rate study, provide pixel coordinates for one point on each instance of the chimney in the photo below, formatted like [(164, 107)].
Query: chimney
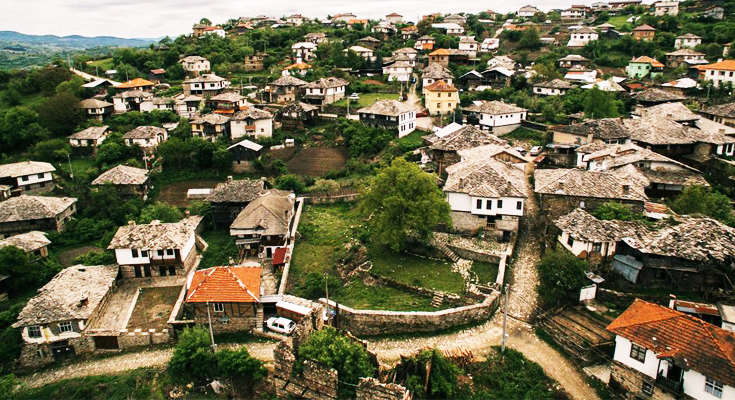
[(626, 190), (231, 261), (229, 179), (131, 223), (672, 301), (461, 182), (655, 343)]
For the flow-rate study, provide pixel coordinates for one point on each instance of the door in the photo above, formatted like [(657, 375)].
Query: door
[(106, 342), (147, 271), (62, 350), (162, 271), (138, 273)]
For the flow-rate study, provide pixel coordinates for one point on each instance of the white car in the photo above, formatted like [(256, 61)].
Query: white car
[(536, 150), (281, 325), (521, 150), (354, 96)]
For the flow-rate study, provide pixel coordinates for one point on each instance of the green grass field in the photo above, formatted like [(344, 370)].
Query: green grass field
[(618, 20), (28, 101), (357, 295), (367, 99), (103, 64), (415, 270)]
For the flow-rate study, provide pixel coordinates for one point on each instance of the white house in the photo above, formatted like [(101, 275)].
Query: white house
[(527, 11), (666, 8), (27, 176), (195, 64), (303, 50), (689, 40), (489, 44), (206, 84), (146, 137), (325, 91), (497, 114), (91, 137), (450, 28), (556, 87), (581, 37), (363, 52), (659, 350), (574, 13), (394, 18), (720, 73), (132, 100), (502, 61), (251, 121), (399, 71), (586, 236), (390, 114), (469, 45), (296, 19)]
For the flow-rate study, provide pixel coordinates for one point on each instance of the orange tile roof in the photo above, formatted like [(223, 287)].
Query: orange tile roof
[(440, 52), (727, 65), (225, 285), (441, 86), (135, 83), (648, 60), (644, 27), (691, 342), (300, 65)]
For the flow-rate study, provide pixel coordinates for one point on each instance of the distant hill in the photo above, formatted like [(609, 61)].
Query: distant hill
[(73, 41)]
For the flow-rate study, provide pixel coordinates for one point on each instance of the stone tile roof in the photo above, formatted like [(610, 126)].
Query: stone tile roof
[(156, 235), (436, 71), (288, 81), (684, 177), (689, 36), (674, 111), (583, 226), (240, 191), (591, 147), (228, 97), (685, 52), (122, 175), (605, 129), (28, 242), (465, 138), (93, 132), (240, 284), (163, 100), (657, 95), (270, 214), (630, 153), (326, 83), (692, 343), (555, 84), (722, 110), (388, 107), (134, 93), (369, 39), (94, 103), (499, 107), (24, 168), (73, 294), (192, 59), (297, 106), (644, 27), (25, 208), (573, 57), (204, 78), (252, 113), (660, 131), (405, 50), (211, 119), (579, 183), (144, 132), (440, 86), (485, 176)]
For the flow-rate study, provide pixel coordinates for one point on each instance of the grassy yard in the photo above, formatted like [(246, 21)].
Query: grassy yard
[(360, 296), (221, 247), (103, 64), (537, 138), (27, 101), (367, 99), (486, 272), (415, 270), (618, 20)]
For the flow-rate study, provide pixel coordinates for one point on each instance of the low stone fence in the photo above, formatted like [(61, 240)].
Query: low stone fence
[(143, 337), (370, 322), (475, 255)]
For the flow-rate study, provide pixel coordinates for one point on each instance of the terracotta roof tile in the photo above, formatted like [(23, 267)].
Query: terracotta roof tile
[(239, 284), (440, 86)]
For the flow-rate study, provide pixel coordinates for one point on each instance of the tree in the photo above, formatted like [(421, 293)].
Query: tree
[(11, 97), (239, 366), (334, 350), (701, 200), (24, 274), (160, 211), (52, 150), (193, 357), (599, 104), (561, 275), (617, 211), (401, 199), (61, 114), (443, 382), (530, 39)]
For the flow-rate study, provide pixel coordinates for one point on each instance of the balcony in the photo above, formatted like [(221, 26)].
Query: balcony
[(670, 384)]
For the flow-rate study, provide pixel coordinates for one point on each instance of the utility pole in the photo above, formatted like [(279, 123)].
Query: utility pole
[(211, 333), (326, 290), (505, 316), (71, 170)]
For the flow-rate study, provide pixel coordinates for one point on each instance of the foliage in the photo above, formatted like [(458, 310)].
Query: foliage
[(19, 128), (443, 382), (561, 275), (599, 104), (160, 211), (95, 258), (530, 39), (364, 140), (314, 286), (84, 231), (401, 199), (15, 263), (106, 203), (239, 364), (7, 386), (290, 182), (61, 114), (510, 375), (334, 350), (617, 211), (193, 357), (52, 150), (700, 200)]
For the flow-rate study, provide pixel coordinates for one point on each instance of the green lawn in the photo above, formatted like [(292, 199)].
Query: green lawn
[(619, 20), (360, 296), (537, 138), (367, 99), (415, 270), (221, 248), (103, 64), (486, 272)]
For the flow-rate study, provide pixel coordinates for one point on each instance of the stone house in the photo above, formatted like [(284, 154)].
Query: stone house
[(33, 243), (128, 181), (157, 249), (303, 51), (227, 103), (264, 225), (97, 109), (368, 42), (556, 87), (715, 12), (573, 60), (644, 32), (682, 56), (255, 62), (470, 80), (285, 89), (439, 56), (666, 8), (688, 41), (229, 199), (390, 114), (398, 71), (723, 113), (605, 130), (498, 116), (146, 137), (561, 191), (195, 65), (662, 353), (87, 141), (325, 91), (244, 152), (53, 322), (574, 12), (211, 126), (205, 85), (27, 177), (35, 213), (435, 72), (316, 37), (297, 115), (654, 96), (441, 98), (132, 100), (644, 67), (590, 238), (251, 122), (226, 297), (446, 143)]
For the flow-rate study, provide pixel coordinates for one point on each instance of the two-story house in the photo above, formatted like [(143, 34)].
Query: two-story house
[(132, 100), (27, 177), (644, 32), (390, 114), (580, 37), (573, 60), (606, 130), (398, 71), (719, 73), (498, 116), (128, 181), (303, 51), (35, 213), (255, 61), (644, 67), (469, 45), (195, 65), (230, 198), (325, 91), (227, 103), (97, 109), (680, 57), (252, 122), (688, 41), (264, 225), (556, 87), (441, 98), (435, 72), (211, 126), (285, 89), (206, 85), (424, 43), (527, 11), (146, 137), (88, 140)]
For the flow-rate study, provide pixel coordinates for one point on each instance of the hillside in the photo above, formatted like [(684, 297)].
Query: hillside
[(73, 41)]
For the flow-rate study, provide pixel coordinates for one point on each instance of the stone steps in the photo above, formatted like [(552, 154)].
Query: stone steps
[(437, 300), (259, 320)]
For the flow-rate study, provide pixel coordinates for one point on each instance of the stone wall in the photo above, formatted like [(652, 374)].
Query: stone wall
[(373, 389), (554, 206), (314, 381), (369, 322), (475, 255), (38, 354), (629, 382), (140, 337)]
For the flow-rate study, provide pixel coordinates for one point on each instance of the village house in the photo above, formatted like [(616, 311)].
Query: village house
[(665, 354), (255, 62), (406, 54), (681, 56), (188, 106), (497, 77), (298, 68), (33, 243), (715, 12), (471, 80), (251, 122), (136, 84), (605, 130), (398, 71), (200, 31), (264, 225), (580, 37), (435, 72), (146, 137), (164, 104), (409, 32), (654, 96), (469, 45), (503, 62), (205, 85), (720, 73), (672, 139), (593, 239), (96, 109), (394, 18), (384, 29), (285, 89), (230, 198), (132, 100), (441, 98), (488, 45), (368, 42), (226, 298), (35, 213), (297, 115), (447, 142), (316, 37), (244, 152), (325, 91), (573, 60), (27, 177), (211, 126), (620, 4), (527, 11), (390, 114), (499, 117), (644, 32), (424, 43), (678, 86), (455, 19), (575, 12), (88, 140), (688, 41), (157, 249), (449, 28), (556, 87), (128, 181), (195, 65), (156, 75), (561, 191), (485, 192), (295, 20), (303, 51), (363, 52), (227, 103), (344, 17), (723, 113), (666, 8), (53, 322), (644, 67), (605, 85)]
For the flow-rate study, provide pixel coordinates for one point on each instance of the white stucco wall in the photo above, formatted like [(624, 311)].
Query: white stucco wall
[(622, 354), (502, 119), (406, 123), (466, 203), (34, 178)]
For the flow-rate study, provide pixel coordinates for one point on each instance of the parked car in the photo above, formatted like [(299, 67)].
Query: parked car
[(521, 150), (281, 325), (354, 96), (422, 113), (536, 150)]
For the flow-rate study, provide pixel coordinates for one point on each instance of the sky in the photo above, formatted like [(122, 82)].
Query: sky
[(156, 18)]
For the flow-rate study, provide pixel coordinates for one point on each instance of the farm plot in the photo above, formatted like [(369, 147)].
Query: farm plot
[(175, 193), (316, 161)]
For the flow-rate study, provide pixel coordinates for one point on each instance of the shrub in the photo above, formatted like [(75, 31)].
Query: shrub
[(443, 382), (315, 284), (290, 182), (95, 258), (193, 357), (561, 275), (510, 375)]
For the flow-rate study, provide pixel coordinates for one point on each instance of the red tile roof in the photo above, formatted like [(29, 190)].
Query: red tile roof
[(279, 256), (440, 52), (727, 65), (644, 27), (135, 83), (647, 60), (225, 285), (440, 86), (696, 344)]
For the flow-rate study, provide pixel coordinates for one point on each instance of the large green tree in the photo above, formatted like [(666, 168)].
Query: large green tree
[(401, 199), (701, 200), (561, 275)]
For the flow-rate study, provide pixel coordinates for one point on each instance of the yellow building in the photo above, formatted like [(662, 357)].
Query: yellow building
[(441, 98)]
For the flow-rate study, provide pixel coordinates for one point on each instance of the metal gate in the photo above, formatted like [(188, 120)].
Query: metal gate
[(62, 351)]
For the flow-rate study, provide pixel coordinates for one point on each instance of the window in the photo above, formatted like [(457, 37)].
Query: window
[(169, 252), (65, 327), (637, 353), (219, 307), (489, 205), (597, 247), (159, 253), (647, 388), (570, 241), (134, 252), (519, 205), (479, 204), (23, 178), (713, 387), (34, 331), (500, 203)]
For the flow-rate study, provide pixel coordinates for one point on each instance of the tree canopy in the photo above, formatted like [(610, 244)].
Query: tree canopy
[(561, 275), (701, 200)]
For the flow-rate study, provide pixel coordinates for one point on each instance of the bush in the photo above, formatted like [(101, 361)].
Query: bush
[(315, 284), (561, 275), (95, 258), (160, 211), (290, 182), (240, 367), (193, 357), (510, 375), (443, 383)]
